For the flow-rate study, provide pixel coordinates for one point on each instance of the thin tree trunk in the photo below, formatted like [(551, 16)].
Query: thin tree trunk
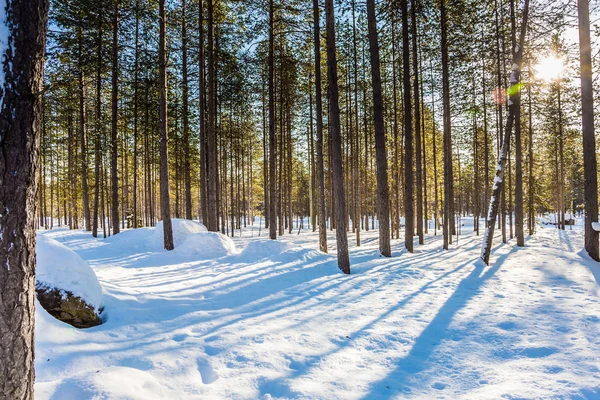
[(82, 136), (114, 179), (408, 135), (187, 169), (212, 134), (417, 107), (165, 205), (272, 145), (448, 176), (319, 127)]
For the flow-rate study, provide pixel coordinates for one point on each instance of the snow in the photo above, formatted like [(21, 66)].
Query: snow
[(60, 267), (182, 228), (277, 320)]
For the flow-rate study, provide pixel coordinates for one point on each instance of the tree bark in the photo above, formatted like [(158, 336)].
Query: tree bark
[(448, 176), (417, 103), (187, 169), (213, 224), (380, 148), (336, 143), (589, 140), (273, 201), (409, 216), (82, 136), (114, 179), (20, 116), (319, 127), (165, 202)]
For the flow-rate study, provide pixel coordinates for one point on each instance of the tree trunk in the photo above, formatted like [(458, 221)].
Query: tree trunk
[(336, 143), (417, 103), (408, 135), (272, 145), (82, 137), (20, 110), (114, 179), (187, 169), (381, 152), (589, 140), (165, 203), (319, 127), (212, 134), (448, 176)]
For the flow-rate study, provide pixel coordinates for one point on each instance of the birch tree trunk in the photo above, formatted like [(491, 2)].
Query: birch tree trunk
[(514, 104)]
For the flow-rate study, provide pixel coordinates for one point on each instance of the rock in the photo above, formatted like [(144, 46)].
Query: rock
[(66, 307)]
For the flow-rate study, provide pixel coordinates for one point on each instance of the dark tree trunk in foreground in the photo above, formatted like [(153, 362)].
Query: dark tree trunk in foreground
[(165, 204), (409, 215), (20, 116), (273, 201), (589, 142), (514, 104), (336, 143), (381, 152), (319, 105), (114, 179)]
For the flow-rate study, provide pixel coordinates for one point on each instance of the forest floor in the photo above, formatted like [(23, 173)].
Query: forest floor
[(279, 320)]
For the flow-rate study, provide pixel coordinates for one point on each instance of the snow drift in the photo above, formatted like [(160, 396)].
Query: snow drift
[(206, 245), (60, 267), (182, 228)]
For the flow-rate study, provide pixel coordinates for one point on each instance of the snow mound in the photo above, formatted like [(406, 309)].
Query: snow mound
[(105, 383), (206, 245), (263, 248), (60, 267), (182, 228)]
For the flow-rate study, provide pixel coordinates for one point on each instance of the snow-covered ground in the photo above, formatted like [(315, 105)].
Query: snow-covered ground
[(278, 320)]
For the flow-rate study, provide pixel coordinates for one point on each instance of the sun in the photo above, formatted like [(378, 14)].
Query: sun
[(549, 68)]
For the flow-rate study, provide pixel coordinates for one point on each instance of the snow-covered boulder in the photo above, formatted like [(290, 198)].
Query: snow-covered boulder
[(182, 228), (205, 245), (66, 286)]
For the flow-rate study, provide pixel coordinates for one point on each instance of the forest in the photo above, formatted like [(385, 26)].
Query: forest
[(277, 199), (252, 129)]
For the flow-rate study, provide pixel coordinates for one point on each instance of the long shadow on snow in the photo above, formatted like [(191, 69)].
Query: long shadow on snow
[(280, 387), (435, 333)]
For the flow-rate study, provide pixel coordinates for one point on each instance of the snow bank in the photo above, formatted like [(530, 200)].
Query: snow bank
[(263, 248), (60, 267), (182, 228), (205, 245)]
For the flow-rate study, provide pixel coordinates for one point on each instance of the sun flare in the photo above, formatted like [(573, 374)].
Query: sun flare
[(549, 68)]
